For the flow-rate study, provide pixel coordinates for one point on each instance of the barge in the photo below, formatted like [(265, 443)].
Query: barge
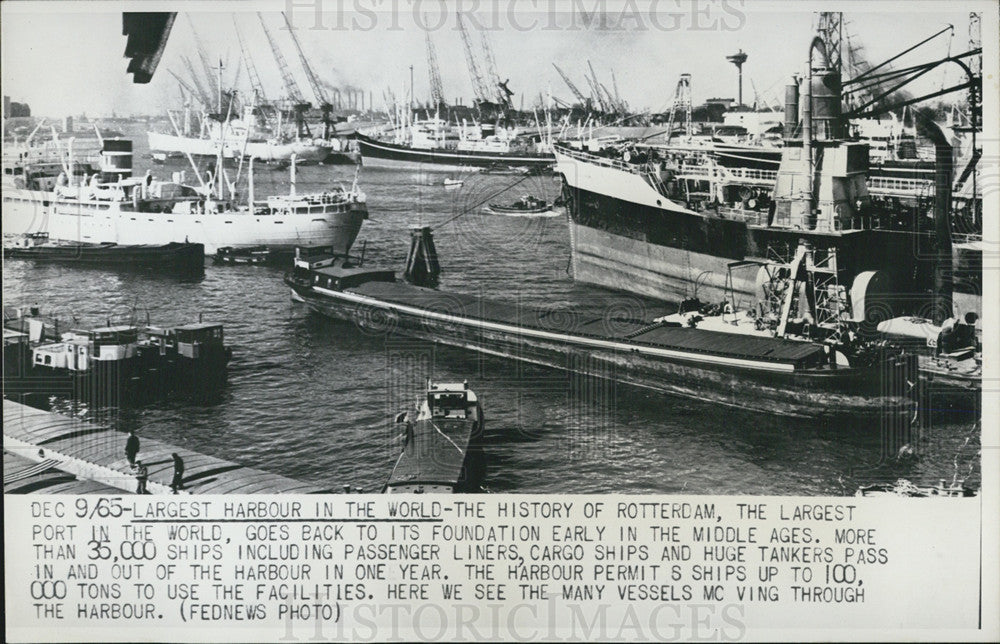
[(776, 375), (113, 365), (174, 255)]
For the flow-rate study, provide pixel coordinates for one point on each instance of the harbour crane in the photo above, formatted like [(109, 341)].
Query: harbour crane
[(299, 103), (206, 66), (478, 85), (254, 77), (500, 89), (437, 88), (577, 93), (325, 106), (203, 94)]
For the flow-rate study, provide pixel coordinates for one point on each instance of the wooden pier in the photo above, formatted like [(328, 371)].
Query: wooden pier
[(66, 448)]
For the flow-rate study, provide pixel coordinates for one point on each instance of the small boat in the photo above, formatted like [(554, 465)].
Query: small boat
[(450, 183), (505, 170), (253, 255), (526, 206), (441, 438), (159, 157), (38, 247)]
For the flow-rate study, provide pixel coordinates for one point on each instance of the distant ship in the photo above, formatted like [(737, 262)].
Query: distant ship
[(237, 140), (115, 207), (429, 145)]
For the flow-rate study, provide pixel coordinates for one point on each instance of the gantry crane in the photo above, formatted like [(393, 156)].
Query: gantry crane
[(299, 103), (437, 89), (325, 105)]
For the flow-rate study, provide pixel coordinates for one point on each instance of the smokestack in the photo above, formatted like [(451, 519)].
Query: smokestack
[(791, 109)]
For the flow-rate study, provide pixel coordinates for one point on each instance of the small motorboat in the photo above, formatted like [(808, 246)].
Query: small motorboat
[(450, 183), (526, 206)]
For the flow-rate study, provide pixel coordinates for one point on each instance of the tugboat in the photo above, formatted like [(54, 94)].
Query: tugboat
[(526, 206), (440, 453)]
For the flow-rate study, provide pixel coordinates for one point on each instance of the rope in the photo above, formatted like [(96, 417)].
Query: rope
[(436, 428), (477, 205)]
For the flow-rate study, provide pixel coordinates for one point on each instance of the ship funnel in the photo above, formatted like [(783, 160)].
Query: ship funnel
[(422, 267), (116, 160), (791, 109)]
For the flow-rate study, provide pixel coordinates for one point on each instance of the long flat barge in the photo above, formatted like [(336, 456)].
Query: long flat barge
[(765, 374), (175, 255)]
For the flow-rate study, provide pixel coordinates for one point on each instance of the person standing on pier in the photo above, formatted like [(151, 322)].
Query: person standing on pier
[(178, 481), (131, 448), (141, 477)]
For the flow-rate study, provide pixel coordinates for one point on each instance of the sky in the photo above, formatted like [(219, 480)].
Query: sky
[(66, 57)]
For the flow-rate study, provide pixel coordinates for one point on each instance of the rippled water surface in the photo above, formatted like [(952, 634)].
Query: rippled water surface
[(314, 399)]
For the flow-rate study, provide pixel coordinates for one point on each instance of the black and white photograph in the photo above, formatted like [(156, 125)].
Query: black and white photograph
[(670, 307)]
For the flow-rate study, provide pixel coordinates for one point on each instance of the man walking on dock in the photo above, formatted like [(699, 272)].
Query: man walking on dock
[(131, 448), (141, 476), (178, 481)]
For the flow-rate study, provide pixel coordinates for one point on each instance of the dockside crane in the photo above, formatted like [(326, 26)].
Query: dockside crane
[(437, 88), (478, 85), (203, 94), (584, 101), (500, 89), (206, 66), (299, 103), (254, 77), (325, 106)]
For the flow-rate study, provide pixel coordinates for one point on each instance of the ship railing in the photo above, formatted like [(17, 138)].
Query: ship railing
[(897, 186), (590, 157), (966, 238)]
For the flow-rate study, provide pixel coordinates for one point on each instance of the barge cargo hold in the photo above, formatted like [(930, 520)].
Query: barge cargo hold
[(175, 255), (765, 374)]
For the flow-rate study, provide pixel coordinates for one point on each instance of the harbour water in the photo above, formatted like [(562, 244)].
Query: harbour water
[(314, 400)]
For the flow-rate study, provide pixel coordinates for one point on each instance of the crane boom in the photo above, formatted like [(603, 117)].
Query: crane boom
[(206, 66), (478, 86), (490, 65), (437, 89), (203, 94), (255, 84), (310, 76), (577, 93), (294, 93)]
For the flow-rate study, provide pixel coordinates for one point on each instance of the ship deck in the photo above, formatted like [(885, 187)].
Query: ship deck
[(569, 323), (434, 457)]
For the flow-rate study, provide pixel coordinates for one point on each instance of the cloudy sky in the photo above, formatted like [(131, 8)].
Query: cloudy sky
[(67, 57)]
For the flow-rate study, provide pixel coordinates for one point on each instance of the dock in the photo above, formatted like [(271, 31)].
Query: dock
[(54, 450)]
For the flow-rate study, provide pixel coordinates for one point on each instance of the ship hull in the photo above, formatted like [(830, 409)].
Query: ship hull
[(626, 236), (25, 211), (81, 222), (261, 150), (176, 255), (379, 154)]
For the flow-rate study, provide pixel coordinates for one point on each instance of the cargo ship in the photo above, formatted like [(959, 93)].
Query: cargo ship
[(428, 146), (636, 224), (114, 207), (172, 256)]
